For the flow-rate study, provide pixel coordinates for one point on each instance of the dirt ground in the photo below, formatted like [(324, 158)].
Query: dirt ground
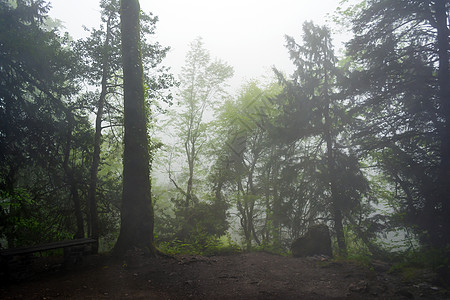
[(240, 276)]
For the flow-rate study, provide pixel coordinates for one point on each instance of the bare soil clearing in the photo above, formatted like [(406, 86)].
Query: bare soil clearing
[(244, 276)]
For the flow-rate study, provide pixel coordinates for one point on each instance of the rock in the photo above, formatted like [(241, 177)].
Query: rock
[(315, 242)]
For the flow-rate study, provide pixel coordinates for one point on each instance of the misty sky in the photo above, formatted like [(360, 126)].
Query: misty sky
[(248, 34)]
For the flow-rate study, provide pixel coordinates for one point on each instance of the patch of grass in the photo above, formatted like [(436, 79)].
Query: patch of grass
[(222, 246)]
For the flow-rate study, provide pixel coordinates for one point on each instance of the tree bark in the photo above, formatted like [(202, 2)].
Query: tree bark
[(137, 212), (444, 94)]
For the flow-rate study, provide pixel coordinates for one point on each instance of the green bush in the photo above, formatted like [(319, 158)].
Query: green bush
[(204, 244)]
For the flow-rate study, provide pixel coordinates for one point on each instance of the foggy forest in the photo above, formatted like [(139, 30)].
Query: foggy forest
[(341, 166)]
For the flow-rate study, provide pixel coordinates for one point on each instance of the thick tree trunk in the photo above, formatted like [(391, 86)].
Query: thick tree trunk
[(137, 212)]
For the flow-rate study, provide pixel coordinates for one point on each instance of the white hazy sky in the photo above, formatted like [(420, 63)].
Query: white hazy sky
[(247, 34)]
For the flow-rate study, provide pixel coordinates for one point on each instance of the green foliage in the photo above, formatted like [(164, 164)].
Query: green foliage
[(412, 264), (243, 156), (193, 219), (206, 245), (45, 134), (202, 86), (357, 250), (196, 227), (397, 89), (200, 243), (39, 124), (273, 248), (193, 229), (97, 53), (22, 224), (314, 117)]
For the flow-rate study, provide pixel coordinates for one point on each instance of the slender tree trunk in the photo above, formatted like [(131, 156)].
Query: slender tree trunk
[(191, 158), (13, 164), (71, 178), (276, 206), (245, 225), (267, 221), (255, 236), (137, 212), (92, 199), (245, 218)]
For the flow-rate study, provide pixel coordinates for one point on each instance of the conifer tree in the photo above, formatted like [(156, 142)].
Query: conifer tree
[(401, 88), (136, 229)]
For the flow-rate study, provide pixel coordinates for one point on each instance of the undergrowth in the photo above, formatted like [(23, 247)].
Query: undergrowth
[(209, 247), (411, 264)]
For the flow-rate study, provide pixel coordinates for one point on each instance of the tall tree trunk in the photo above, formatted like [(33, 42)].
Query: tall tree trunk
[(443, 196), (92, 199), (137, 212), (336, 210)]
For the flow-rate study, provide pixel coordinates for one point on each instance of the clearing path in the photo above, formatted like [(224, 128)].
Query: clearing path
[(241, 276)]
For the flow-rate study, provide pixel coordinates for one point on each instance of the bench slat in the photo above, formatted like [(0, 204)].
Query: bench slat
[(46, 247)]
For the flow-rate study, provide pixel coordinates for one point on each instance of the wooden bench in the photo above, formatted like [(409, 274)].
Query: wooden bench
[(17, 263)]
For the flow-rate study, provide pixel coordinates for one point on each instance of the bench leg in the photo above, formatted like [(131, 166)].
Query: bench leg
[(73, 256)]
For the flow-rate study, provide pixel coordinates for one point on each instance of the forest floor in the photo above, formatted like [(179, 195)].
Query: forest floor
[(240, 276)]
